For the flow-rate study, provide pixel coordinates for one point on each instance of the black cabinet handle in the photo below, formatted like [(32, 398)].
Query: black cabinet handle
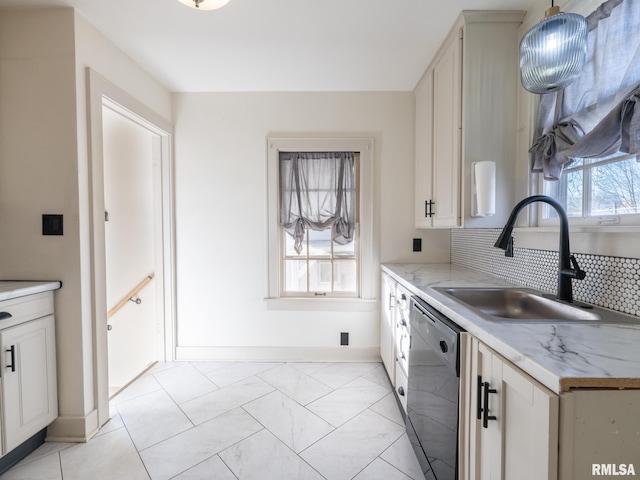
[(401, 391), (13, 358), (479, 399), (443, 346), (5, 315), (428, 208), (485, 411)]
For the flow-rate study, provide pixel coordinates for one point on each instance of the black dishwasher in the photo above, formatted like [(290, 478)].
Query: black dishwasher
[(433, 390)]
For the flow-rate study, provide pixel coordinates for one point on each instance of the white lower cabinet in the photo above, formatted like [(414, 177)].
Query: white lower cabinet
[(513, 427), (509, 421), (28, 370), (388, 324), (28, 380), (394, 335)]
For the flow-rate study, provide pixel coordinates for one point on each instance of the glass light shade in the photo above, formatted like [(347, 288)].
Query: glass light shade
[(204, 4), (553, 52)]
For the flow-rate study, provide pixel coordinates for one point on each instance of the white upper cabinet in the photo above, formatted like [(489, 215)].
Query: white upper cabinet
[(466, 112)]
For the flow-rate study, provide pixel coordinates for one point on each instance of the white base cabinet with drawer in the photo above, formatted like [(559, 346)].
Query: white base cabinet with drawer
[(28, 381)]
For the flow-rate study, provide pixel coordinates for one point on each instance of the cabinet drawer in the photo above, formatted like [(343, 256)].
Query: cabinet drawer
[(403, 298), (25, 308), (402, 349), (401, 386)]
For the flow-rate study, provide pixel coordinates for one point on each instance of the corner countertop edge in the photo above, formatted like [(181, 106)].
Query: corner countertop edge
[(10, 289)]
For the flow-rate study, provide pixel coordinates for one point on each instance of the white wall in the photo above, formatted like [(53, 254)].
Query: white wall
[(220, 168), (39, 174), (44, 169)]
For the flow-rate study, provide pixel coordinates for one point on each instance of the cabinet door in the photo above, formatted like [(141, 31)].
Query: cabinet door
[(520, 439), (424, 149), (29, 390), (387, 324), (530, 426), (447, 135)]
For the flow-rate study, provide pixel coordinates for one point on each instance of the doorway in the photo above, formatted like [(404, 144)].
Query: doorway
[(132, 239), (134, 316)]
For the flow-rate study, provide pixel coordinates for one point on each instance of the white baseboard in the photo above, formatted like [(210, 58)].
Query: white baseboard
[(72, 428), (279, 354)]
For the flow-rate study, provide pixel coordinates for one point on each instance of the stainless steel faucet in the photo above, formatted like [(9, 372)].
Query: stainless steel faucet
[(567, 264)]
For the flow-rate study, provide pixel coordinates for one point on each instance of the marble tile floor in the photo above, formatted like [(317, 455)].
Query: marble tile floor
[(219, 421)]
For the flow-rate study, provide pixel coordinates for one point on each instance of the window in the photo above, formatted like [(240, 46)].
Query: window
[(598, 191), (587, 139), (318, 223), (320, 263)]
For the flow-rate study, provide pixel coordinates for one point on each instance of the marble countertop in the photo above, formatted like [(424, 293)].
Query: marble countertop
[(559, 355), (17, 288)]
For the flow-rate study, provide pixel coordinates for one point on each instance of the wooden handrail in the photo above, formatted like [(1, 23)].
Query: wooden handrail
[(130, 295)]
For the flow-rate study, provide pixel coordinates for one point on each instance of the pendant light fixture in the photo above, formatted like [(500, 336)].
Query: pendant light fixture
[(204, 4), (553, 52)]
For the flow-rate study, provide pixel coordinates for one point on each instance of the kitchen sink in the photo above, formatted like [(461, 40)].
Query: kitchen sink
[(518, 304)]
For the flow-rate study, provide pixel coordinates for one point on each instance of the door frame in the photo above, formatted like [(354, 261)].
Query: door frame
[(103, 93)]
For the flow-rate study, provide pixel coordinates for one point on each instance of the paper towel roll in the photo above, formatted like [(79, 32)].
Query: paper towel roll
[(485, 188)]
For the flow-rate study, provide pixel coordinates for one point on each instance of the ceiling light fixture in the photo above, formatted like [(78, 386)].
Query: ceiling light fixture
[(553, 52), (204, 4)]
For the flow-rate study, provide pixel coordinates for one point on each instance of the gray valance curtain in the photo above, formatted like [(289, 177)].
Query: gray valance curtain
[(317, 191), (596, 116)]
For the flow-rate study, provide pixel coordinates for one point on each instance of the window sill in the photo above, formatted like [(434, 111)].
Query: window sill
[(615, 241), (322, 304)]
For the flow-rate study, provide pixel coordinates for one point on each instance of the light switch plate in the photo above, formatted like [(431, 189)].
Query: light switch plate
[(52, 224)]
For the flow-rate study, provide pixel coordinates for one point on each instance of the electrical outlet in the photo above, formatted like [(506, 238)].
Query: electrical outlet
[(417, 244), (344, 338)]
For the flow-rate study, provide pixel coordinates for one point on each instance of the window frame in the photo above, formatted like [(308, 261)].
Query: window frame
[(364, 148), (630, 219)]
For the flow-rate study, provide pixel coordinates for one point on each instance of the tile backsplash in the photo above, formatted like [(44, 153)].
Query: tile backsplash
[(611, 282)]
